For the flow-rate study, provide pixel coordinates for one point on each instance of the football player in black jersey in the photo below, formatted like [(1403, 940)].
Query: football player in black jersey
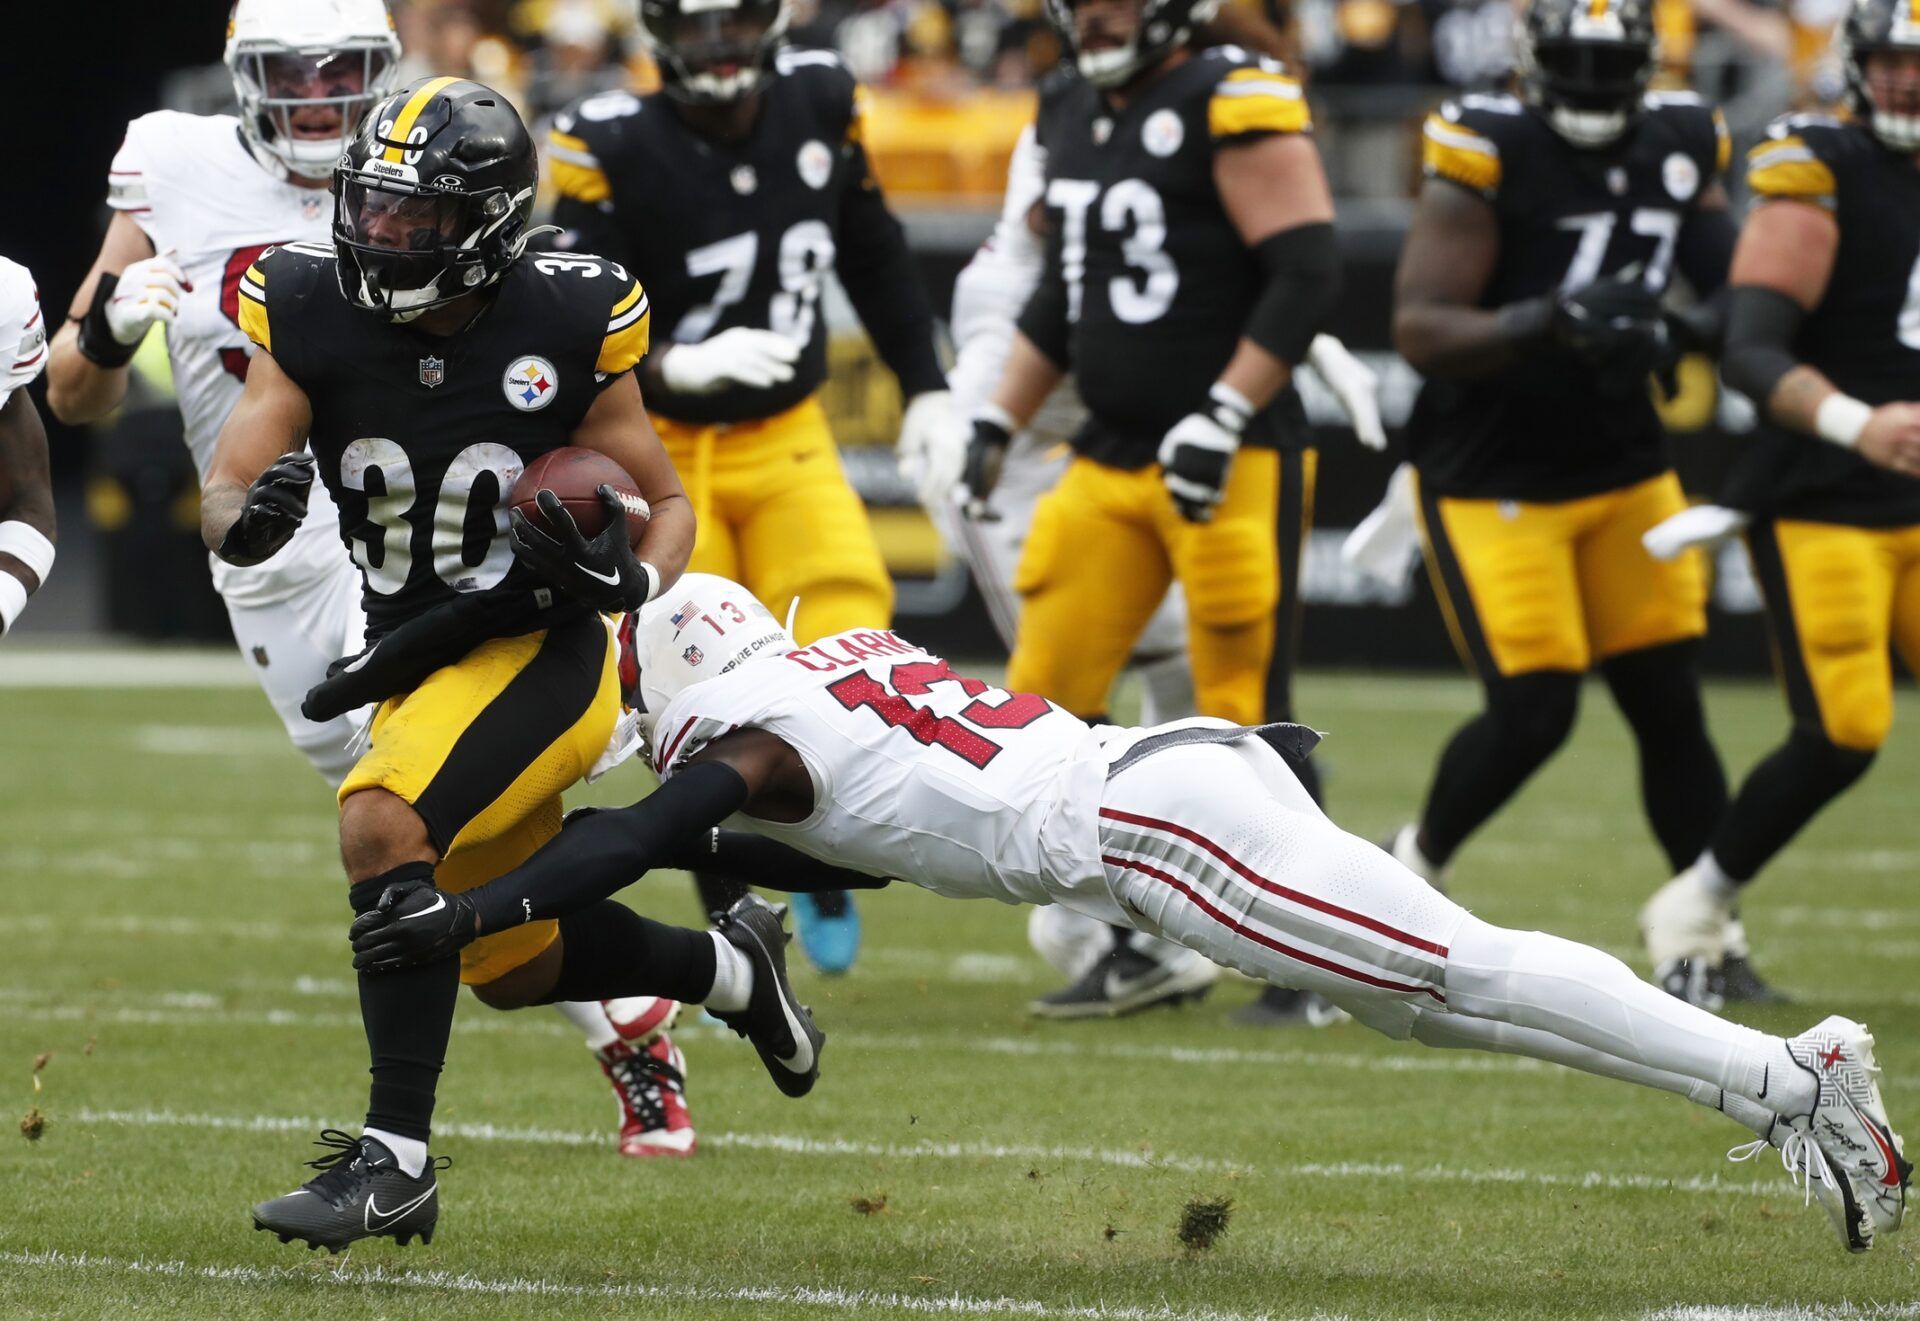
[(1190, 259), (1824, 334), (732, 193), (1529, 296), (416, 366)]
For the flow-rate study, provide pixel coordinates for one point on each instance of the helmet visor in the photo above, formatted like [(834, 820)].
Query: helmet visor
[(377, 215), (1593, 75), (311, 96)]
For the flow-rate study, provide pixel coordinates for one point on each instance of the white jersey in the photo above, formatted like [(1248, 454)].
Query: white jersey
[(23, 331), (195, 190), (918, 773)]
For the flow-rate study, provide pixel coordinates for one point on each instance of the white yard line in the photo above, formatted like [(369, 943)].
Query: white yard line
[(124, 668), (834, 1147), (838, 1300), (1842, 1311)]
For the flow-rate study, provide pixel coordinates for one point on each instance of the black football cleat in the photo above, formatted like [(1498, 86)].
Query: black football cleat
[(1125, 981), (1740, 980), (361, 1192), (1281, 1006), (779, 1026)]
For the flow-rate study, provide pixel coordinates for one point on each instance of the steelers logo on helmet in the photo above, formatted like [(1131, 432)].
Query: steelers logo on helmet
[(530, 383)]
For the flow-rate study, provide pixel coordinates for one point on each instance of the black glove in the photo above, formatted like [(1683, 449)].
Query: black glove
[(276, 502), (986, 452), (1616, 327), (602, 573), (413, 924)]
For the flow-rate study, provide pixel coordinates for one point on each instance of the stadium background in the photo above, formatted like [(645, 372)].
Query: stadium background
[(951, 84)]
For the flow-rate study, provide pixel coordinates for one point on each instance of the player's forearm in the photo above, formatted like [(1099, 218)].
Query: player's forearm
[(1797, 396), (667, 544), (1026, 380), (1763, 324), (80, 390), (1255, 374), (605, 852), (1451, 342), (220, 506)]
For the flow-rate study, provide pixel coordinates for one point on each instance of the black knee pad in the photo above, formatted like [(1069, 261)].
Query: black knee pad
[(1535, 712), (365, 895)]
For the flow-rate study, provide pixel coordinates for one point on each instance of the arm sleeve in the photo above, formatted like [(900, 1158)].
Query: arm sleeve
[(607, 851), (741, 855), (1762, 324), (877, 270), (1047, 317)]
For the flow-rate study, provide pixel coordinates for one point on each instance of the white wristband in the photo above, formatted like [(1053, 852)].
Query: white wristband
[(653, 579), (29, 545), (13, 599), (1841, 418), (1230, 408)]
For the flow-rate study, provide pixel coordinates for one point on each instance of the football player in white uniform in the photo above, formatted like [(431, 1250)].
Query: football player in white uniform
[(867, 751), (1110, 972), (197, 199), (26, 488)]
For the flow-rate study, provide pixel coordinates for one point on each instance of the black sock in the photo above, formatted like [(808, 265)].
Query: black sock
[(408, 1016), (717, 893), (609, 951), (1782, 794), (1682, 786), (1491, 756)]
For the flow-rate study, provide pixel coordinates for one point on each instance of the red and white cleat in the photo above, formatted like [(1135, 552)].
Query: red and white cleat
[(1849, 1121), (650, 1084)]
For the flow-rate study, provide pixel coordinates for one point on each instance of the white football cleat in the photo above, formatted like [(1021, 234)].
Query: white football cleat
[(1807, 1168), (1685, 930), (1849, 1119), (1404, 845)]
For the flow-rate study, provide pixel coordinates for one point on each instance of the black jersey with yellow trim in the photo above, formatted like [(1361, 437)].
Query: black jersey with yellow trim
[(1864, 335), (1154, 281), (420, 438), (1567, 216), (723, 234)]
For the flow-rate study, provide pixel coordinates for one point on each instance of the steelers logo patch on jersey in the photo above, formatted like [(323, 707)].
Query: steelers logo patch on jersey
[(815, 163), (530, 384), (1163, 133), (1681, 176)]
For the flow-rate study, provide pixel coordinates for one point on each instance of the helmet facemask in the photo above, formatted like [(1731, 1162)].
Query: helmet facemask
[(299, 106), (713, 52), (1877, 29), (1586, 70), (406, 248), (1161, 27)]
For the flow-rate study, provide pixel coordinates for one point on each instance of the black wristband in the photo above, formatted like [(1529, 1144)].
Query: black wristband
[(96, 342)]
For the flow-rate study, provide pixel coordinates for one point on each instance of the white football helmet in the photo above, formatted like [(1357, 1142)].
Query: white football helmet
[(702, 627), (305, 71)]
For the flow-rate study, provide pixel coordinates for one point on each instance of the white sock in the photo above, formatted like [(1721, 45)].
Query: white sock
[(591, 1019), (1707, 874), (410, 1152), (1532, 979), (732, 977), (1166, 689)]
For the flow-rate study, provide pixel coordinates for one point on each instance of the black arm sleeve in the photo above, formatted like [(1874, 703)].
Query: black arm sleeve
[(607, 851), (1706, 250), (1303, 278), (878, 272), (1761, 326), (1044, 319), (741, 855), (585, 227)]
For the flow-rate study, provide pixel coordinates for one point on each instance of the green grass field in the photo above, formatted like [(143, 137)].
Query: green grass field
[(174, 926)]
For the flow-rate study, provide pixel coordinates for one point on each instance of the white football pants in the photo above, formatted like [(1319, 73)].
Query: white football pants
[(1219, 847), (289, 644)]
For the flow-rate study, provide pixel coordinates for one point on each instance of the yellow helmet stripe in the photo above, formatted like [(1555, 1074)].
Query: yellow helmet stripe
[(1596, 8), (411, 111)]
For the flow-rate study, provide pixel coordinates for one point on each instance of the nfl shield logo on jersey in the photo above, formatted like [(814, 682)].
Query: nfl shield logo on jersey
[(693, 655), (432, 372), (530, 384)]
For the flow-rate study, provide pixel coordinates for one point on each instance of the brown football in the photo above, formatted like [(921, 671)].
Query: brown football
[(574, 474)]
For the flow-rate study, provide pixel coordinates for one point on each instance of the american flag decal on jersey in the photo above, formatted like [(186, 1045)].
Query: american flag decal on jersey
[(684, 614)]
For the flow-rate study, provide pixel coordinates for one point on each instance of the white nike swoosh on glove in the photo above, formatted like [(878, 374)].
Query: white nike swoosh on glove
[(610, 579), (438, 904)]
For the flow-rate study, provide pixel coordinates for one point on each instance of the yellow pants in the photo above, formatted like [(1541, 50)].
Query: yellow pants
[(482, 750), (775, 511), (1837, 596), (1528, 587), (1105, 545)]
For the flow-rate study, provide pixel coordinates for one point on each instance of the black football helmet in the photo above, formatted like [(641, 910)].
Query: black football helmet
[(1585, 64), (1165, 26), (711, 52), (1872, 26), (431, 197)]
